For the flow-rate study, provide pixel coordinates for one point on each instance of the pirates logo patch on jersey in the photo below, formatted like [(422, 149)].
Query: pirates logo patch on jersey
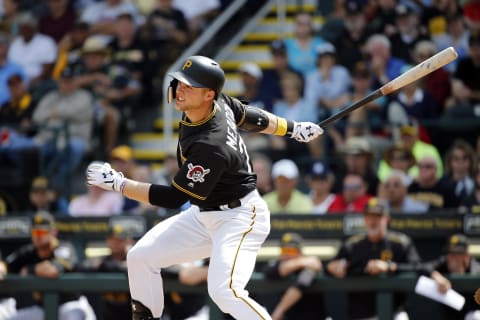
[(196, 173)]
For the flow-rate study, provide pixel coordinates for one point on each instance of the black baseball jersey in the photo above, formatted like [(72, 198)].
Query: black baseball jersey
[(214, 164), (63, 257), (358, 250)]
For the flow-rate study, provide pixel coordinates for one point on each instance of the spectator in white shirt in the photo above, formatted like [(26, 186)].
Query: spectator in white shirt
[(320, 181), (35, 52), (101, 16)]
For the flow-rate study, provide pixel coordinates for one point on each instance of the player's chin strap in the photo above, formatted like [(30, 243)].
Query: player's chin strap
[(141, 312), (172, 89)]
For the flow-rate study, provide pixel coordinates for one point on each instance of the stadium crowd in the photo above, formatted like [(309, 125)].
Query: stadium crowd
[(74, 73)]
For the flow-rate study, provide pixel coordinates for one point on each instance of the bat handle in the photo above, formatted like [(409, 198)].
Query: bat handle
[(344, 111)]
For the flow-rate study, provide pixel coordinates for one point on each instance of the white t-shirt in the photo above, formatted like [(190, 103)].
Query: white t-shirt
[(102, 12), (194, 8), (322, 208), (34, 54)]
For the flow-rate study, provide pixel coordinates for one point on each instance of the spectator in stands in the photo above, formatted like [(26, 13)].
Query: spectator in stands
[(59, 20), (383, 17), (408, 32), (465, 82), (262, 166), (101, 15), (437, 83), (16, 113), (434, 17), (430, 189), (409, 137), (470, 13), (320, 182), (456, 36), (96, 203), (325, 87), (460, 164), (167, 28), (35, 52), (7, 69), (399, 157), (198, 14), (286, 198), (251, 76), (411, 101), (47, 257), (471, 204), (294, 106), (456, 261), (108, 84), (301, 48), (43, 197), (357, 157), (353, 197), (70, 48), (65, 120), (368, 120), (126, 49), (383, 65), (8, 19), (352, 37), (270, 88), (397, 198), (378, 251), (295, 302)]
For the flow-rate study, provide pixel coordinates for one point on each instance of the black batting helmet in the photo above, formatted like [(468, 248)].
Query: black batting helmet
[(198, 72)]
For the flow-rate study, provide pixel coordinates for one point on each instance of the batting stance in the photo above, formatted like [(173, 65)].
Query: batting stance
[(228, 220)]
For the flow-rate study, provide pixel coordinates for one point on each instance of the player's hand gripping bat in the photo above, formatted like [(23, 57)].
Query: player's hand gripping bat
[(420, 70)]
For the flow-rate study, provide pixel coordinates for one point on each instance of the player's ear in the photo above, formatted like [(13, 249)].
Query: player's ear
[(210, 95)]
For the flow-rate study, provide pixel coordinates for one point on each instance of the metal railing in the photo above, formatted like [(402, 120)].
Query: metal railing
[(102, 282)]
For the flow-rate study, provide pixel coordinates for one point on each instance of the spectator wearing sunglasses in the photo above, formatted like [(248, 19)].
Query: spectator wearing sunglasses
[(47, 257), (353, 197), (396, 194), (429, 188)]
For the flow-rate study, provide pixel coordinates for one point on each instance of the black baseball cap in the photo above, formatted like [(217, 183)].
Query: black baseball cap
[(278, 47), (319, 170), (377, 207), (291, 240), (120, 231), (457, 243), (43, 220)]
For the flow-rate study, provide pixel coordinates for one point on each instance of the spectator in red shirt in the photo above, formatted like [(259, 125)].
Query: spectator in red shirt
[(353, 197)]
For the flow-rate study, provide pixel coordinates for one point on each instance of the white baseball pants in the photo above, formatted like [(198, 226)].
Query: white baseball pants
[(231, 239)]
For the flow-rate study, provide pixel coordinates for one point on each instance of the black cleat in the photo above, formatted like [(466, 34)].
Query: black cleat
[(141, 312)]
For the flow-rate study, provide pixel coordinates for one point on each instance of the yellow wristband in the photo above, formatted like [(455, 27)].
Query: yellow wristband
[(281, 127)]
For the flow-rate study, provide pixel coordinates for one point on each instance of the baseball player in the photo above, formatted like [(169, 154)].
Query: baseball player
[(228, 220)]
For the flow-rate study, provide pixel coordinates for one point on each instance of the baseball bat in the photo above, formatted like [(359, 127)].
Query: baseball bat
[(420, 70)]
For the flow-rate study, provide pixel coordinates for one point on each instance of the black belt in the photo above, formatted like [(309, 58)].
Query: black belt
[(230, 205)]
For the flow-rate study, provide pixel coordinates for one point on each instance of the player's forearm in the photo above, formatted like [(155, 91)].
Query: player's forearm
[(136, 190), (277, 125), (259, 120)]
